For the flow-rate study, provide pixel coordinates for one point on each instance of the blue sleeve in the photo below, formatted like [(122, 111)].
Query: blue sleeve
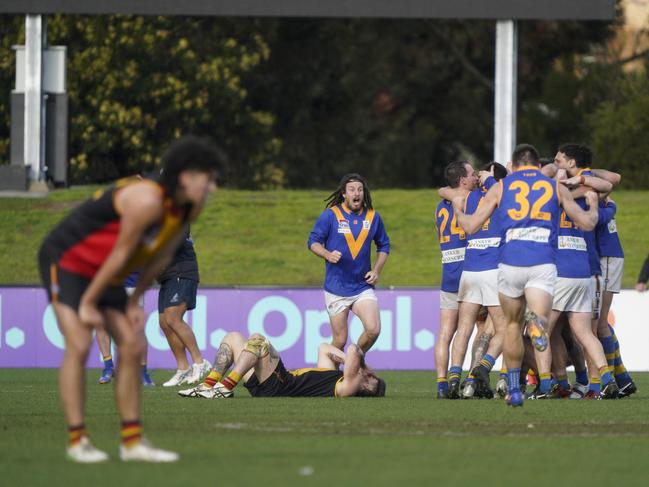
[(321, 229), (381, 238), (489, 182), (606, 213)]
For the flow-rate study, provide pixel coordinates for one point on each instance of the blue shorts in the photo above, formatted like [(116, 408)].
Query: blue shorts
[(176, 291)]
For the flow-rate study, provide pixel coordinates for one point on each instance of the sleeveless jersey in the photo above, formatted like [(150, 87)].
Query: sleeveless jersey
[(452, 243), (529, 213), (82, 241), (482, 247), (572, 254), (608, 241), (591, 240)]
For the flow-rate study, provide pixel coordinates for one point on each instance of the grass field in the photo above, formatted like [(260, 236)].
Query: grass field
[(404, 439), (246, 238)]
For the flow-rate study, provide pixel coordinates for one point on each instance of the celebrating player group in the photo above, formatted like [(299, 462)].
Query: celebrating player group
[(536, 245)]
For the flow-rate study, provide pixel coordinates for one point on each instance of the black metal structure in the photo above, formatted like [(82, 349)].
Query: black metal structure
[(463, 9)]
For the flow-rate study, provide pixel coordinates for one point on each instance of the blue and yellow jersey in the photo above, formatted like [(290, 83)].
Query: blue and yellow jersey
[(572, 253), (591, 240), (452, 243), (529, 213), (482, 247), (608, 241), (338, 228)]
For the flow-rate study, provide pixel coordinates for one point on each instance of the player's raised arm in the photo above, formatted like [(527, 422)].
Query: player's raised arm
[(586, 220), (610, 176), (591, 182), (472, 223), (351, 377), (449, 193)]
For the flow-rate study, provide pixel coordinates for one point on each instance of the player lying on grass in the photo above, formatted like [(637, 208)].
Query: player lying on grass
[(259, 365)]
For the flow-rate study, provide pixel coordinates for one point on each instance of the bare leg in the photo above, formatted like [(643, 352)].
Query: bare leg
[(339, 329), (175, 343), (103, 342), (130, 344), (544, 358), (78, 338), (368, 312), (174, 319), (466, 321), (500, 326), (448, 326), (484, 332), (513, 309)]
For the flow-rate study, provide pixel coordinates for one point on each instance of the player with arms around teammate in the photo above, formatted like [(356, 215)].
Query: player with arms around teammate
[(258, 363), (135, 224), (529, 204), (343, 236), (452, 244)]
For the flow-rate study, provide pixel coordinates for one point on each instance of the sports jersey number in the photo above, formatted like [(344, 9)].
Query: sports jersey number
[(565, 222), (485, 225), (455, 228), (521, 198)]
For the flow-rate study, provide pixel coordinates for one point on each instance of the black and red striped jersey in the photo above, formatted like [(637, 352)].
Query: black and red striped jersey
[(82, 241)]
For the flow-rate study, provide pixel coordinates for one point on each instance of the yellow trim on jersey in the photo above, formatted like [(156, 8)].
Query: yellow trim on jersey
[(302, 371), (526, 168), (500, 196), (355, 244), (582, 170), (556, 190), (336, 386)]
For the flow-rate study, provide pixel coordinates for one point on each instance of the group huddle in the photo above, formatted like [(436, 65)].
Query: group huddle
[(532, 258)]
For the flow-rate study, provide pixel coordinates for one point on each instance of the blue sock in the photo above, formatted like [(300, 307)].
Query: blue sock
[(582, 377), (608, 344), (546, 383), (514, 379), (487, 362), (564, 384), (442, 385), (606, 377), (108, 364), (454, 373), (595, 386)]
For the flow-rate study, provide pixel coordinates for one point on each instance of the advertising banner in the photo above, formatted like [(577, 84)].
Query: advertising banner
[(295, 320)]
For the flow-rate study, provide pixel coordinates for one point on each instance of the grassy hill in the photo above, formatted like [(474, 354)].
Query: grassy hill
[(259, 237)]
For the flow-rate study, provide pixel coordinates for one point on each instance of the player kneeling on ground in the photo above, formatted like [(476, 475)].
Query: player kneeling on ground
[(258, 363)]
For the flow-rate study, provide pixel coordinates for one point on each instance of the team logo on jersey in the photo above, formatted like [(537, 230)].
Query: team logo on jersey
[(612, 226), (366, 224), (343, 226)]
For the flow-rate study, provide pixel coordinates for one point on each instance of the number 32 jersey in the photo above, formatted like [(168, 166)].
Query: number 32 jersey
[(529, 213)]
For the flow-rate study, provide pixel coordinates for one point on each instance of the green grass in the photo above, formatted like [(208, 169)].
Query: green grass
[(405, 439), (259, 237)]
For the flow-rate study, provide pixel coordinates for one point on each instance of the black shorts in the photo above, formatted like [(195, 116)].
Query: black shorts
[(176, 291), (67, 287)]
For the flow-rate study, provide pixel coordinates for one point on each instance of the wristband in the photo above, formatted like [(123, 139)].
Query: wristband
[(582, 180)]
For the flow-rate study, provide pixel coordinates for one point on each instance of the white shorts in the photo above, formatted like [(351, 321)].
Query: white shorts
[(513, 280), (479, 288), (612, 268), (573, 294), (596, 295), (337, 304), (447, 300)]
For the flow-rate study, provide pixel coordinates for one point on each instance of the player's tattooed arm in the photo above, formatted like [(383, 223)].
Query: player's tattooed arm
[(224, 358)]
